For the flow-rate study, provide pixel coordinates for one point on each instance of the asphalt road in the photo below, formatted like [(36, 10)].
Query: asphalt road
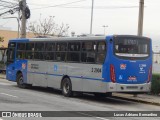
[(13, 98)]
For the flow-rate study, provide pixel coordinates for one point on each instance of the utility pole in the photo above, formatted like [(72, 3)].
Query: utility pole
[(141, 13), (23, 21), (91, 17), (104, 26)]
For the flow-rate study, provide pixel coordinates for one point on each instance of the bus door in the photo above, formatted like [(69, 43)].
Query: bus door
[(11, 61)]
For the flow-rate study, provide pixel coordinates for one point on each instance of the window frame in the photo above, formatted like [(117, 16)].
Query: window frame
[(23, 51), (79, 52), (32, 51)]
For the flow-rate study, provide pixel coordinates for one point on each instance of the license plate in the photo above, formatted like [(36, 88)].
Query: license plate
[(132, 87)]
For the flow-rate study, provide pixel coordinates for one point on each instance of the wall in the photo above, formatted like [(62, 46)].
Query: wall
[(7, 34)]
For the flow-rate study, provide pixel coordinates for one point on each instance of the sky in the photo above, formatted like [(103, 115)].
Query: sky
[(121, 16)]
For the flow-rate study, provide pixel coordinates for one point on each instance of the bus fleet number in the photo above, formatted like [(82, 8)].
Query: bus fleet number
[(96, 70)]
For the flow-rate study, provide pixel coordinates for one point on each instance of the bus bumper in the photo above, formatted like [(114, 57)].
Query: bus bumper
[(116, 87)]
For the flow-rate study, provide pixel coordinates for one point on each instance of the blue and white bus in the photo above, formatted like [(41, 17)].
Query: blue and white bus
[(99, 65)]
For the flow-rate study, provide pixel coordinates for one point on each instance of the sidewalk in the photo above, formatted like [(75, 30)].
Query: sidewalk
[(2, 76), (143, 98)]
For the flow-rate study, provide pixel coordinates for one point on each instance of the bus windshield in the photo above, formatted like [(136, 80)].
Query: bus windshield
[(128, 47)]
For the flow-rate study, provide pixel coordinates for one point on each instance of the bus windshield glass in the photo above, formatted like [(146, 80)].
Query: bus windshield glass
[(128, 47)]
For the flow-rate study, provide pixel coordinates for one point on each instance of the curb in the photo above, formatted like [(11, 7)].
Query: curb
[(137, 100)]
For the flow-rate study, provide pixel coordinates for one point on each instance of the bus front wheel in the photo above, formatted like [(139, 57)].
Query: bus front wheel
[(20, 81), (67, 87)]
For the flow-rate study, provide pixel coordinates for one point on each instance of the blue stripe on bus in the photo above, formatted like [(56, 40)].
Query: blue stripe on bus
[(87, 78), (69, 76), (45, 73), (19, 40)]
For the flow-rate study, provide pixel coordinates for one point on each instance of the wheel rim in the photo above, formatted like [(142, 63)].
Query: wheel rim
[(66, 88), (21, 81)]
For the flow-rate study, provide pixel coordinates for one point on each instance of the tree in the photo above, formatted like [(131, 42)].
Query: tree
[(47, 27)]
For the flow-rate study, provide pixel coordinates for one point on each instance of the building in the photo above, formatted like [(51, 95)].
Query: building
[(8, 34)]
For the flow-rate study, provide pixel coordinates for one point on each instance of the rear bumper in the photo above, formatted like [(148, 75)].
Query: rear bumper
[(116, 87)]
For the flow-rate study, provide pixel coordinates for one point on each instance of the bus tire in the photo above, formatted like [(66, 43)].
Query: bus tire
[(67, 87), (20, 81)]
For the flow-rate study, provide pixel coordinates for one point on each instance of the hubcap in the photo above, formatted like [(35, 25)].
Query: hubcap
[(66, 88), (21, 80)]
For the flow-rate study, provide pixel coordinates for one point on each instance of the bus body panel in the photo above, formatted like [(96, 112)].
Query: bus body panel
[(130, 75), (131, 72), (50, 74), (85, 77), (11, 73)]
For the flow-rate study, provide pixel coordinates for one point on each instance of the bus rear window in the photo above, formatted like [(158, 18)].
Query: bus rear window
[(131, 47)]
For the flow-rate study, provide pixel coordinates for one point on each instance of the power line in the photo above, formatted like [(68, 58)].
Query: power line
[(99, 7), (60, 4), (7, 2), (3, 8), (11, 11), (7, 6), (16, 0)]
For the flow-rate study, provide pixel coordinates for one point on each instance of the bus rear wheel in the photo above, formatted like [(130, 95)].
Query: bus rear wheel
[(20, 81), (67, 87)]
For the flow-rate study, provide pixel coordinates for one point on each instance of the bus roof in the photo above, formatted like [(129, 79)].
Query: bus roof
[(71, 38), (59, 39)]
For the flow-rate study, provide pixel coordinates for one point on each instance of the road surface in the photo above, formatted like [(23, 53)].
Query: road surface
[(13, 98)]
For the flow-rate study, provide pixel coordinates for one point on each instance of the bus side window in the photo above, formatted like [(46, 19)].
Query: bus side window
[(88, 52), (101, 52), (49, 51), (39, 46), (21, 47), (61, 48), (50, 47), (30, 46), (29, 51), (73, 54)]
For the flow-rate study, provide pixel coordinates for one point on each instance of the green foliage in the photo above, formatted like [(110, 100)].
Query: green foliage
[(155, 87)]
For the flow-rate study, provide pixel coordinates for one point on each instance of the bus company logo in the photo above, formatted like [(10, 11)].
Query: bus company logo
[(23, 66), (120, 77), (123, 66), (55, 68), (142, 68), (6, 114), (142, 65)]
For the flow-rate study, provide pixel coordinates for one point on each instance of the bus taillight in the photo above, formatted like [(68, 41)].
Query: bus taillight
[(149, 74), (112, 73)]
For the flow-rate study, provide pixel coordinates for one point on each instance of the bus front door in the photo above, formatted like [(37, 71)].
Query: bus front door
[(11, 64)]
